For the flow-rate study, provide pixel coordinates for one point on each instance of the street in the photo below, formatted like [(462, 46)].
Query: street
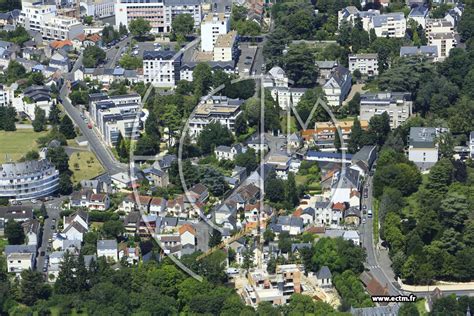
[(380, 268)]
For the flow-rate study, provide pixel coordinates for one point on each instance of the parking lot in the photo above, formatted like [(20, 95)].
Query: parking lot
[(246, 59)]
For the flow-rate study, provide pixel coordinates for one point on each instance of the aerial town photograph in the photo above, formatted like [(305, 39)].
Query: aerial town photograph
[(237, 157)]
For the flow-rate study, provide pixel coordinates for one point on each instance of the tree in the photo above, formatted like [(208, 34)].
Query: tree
[(122, 29), (43, 211), (213, 135), (14, 233), (54, 114), (275, 190), (15, 71), (291, 190), (351, 291), (248, 259), (268, 235), (355, 142), (216, 238), (248, 160), (202, 79), (32, 287), (284, 242), (354, 104), (58, 158), (379, 127), (213, 180), (441, 176), (7, 118), (182, 24), (337, 140), (113, 228), (241, 126), (299, 65), (65, 184), (139, 27), (402, 176), (92, 56), (147, 146), (88, 19), (39, 123), (130, 62), (66, 127), (121, 148)]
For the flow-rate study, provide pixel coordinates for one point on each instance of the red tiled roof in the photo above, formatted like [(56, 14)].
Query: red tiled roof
[(187, 228), (60, 44)]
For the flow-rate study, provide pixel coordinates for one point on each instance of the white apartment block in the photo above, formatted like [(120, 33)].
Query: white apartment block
[(212, 26), (17, 262), (423, 147), (215, 109), (4, 96), (44, 19), (161, 68), (440, 33), (177, 7), (390, 24), (151, 10), (116, 115), (225, 47), (287, 96), (351, 13), (367, 64), (398, 106), (99, 8)]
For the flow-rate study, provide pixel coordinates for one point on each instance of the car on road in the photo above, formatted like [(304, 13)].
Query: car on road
[(248, 57), (364, 207), (363, 221), (369, 213), (45, 269), (42, 253)]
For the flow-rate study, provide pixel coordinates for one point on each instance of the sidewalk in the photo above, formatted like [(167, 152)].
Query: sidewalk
[(444, 286)]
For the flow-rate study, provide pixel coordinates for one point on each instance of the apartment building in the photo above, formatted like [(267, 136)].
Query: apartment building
[(187, 68), (177, 7), (390, 24), (428, 52), (367, 64), (419, 14), (20, 257), (324, 133), (351, 13), (440, 33), (4, 96), (28, 180), (114, 115), (150, 10), (212, 26), (161, 68), (225, 47), (215, 109), (423, 147), (43, 18), (99, 8), (398, 106)]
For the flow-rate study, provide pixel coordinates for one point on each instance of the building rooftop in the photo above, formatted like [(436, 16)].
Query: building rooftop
[(226, 40), (422, 137), (106, 244)]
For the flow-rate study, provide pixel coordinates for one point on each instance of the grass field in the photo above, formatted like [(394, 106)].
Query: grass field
[(89, 166), (16, 144)]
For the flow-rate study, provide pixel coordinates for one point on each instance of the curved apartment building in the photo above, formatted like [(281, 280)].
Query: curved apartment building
[(28, 180)]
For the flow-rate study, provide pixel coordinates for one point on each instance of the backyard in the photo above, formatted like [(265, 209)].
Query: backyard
[(84, 165), (13, 145)]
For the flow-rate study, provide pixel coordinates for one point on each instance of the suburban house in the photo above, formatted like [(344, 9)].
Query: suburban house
[(75, 225), (324, 277), (201, 192), (20, 257), (187, 234), (423, 147), (31, 229), (338, 86), (90, 200), (228, 152), (107, 249)]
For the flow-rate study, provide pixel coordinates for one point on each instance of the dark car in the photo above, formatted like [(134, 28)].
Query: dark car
[(42, 253)]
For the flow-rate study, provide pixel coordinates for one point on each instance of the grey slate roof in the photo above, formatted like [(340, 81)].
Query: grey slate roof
[(422, 137), (324, 273), (106, 244)]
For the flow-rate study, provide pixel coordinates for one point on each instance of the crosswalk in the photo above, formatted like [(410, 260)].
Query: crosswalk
[(372, 267)]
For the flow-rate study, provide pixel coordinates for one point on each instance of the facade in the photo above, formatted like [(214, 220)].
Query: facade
[(225, 47), (398, 106), (177, 7), (17, 262), (107, 249), (419, 14), (98, 8), (277, 81), (212, 26), (428, 52), (4, 96), (367, 64), (187, 68), (28, 180), (161, 68), (338, 86), (324, 133), (215, 109), (471, 145), (423, 149), (114, 115), (151, 10), (440, 33), (390, 24)]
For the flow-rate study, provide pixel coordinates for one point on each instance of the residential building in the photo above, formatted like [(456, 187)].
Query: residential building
[(4, 96), (419, 14), (226, 47), (324, 277), (14, 213), (215, 109), (277, 81), (390, 24), (212, 26), (161, 68), (200, 191), (187, 68), (114, 115), (367, 64), (177, 7), (398, 106), (98, 8), (428, 52), (423, 147), (325, 68), (107, 249), (324, 133), (441, 34), (228, 152), (32, 97), (28, 180), (19, 258), (187, 234), (157, 177), (90, 200), (130, 254), (31, 229), (338, 86), (350, 14), (151, 10)]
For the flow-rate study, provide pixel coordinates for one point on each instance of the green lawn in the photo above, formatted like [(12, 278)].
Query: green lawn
[(16, 144), (420, 305), (3, 243), (89, 166)]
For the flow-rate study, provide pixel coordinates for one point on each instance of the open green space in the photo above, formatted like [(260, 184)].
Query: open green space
[(84, 165), (13, 145)]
